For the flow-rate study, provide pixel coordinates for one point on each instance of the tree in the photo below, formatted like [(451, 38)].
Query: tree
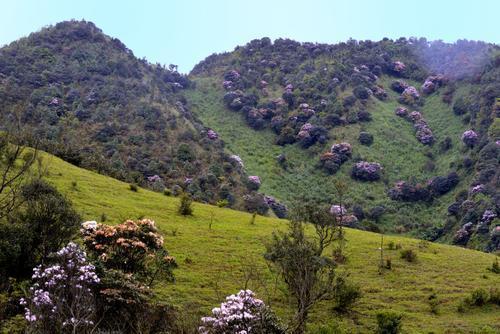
[(308, 274), (49, 215), (15, 161), (44, 223)]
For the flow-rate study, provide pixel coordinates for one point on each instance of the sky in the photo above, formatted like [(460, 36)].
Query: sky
[(184, 32)]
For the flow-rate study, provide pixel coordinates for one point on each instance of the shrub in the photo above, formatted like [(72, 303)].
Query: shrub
[(133, 187), (389, 322), (185, 205), (132, 247), (365, 138), (409, 255), (479, 297), (495, 267), (61, 298), (366, 171), (167, 192), (345, 295), (433, 302), (495, 296), (241, 313), (42, 225)]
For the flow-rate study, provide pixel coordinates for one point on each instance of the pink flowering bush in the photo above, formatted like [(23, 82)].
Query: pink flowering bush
[(398, 66), (343, 150), (470, 138), (401, 111), (61, 297), (238, 159), (240, 314), (366, 171), (132, 247), (211, 134), (254, 182)]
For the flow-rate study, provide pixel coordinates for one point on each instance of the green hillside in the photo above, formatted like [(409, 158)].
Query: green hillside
[(395, 147), (212, 262)]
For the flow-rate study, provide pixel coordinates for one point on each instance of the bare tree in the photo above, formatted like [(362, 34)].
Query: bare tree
[(15, 162)]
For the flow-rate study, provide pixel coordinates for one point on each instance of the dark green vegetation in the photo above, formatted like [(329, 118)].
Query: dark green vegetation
[(89, 100), (282, 105)]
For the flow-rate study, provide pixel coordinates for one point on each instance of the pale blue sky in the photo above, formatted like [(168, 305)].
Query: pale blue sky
[(184, 32)]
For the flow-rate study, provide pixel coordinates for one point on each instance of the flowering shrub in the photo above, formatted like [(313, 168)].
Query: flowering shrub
[(211, 134), (254, 182), (423, 132), (470, 138), (61, 298), (330, 162), (398, 66), (343, 150), (476, 189), (488, 216), (238, 159), (133, 247), (279, 209), (399, 86), (463, 234), (337, 210), (366, 171), (409, 96), (401, 111), (432, 83), (240, 314)]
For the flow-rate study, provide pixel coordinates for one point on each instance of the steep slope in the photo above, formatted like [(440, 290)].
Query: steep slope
[(213, 261), (86, 98), (282, 105)]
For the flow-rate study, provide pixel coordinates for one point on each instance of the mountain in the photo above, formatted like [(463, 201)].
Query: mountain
[(410, 126), (218, 248), (87, 99), (389, 118)]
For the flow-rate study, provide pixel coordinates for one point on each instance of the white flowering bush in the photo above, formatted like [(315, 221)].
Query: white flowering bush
[(61, 298), (240, 314)]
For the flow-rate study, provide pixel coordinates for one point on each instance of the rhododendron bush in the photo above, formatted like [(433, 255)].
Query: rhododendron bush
[(132, 247), (240, 314), (61, 297), (366, 171)]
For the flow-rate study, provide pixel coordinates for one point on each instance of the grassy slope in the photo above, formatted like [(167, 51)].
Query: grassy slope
[(395, 147), (219, 257)]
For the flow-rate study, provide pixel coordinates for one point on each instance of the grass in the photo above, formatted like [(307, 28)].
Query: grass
[(214, 262), (395, 147)]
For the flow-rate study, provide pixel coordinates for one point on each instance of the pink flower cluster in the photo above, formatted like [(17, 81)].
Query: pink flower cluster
[(366, 171), (401, 111), (337, 210), (477, 189), (399, 66), (62, 291), (488, 216), (412, 92), (342, 149), (211, 134), (238, 159), (239, 314), (423, 131), (254, 179), (470, 138), (432, 83), (154, 178)]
